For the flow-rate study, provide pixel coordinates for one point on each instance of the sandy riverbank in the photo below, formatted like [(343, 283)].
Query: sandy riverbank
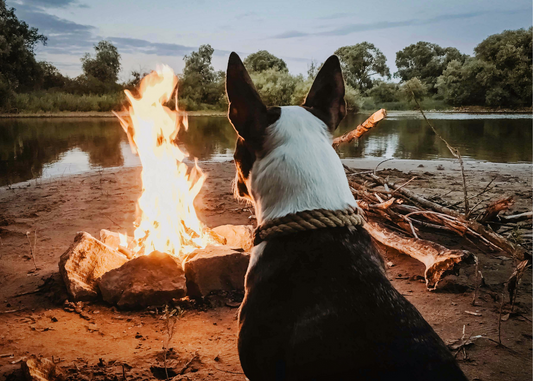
[(59, 207)]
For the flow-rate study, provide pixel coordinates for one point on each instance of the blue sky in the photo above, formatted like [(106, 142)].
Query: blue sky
[(148, 33)]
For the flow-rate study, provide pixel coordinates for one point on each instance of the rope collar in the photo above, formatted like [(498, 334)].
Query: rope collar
[(307, 220)]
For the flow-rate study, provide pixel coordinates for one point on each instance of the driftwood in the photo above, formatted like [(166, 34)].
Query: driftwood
[(495, 207), (371, 122), (437, 258), (395, 208)]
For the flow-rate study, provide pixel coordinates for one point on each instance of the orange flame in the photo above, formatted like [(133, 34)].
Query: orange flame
[(168, 221)]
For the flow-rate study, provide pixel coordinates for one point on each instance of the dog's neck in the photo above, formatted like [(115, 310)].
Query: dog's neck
[(301, 171)]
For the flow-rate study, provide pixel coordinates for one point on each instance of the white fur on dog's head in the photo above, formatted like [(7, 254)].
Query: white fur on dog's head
[(301, 171), (284, 159)]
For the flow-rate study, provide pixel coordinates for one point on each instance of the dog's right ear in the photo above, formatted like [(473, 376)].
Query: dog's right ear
[(247, 112)]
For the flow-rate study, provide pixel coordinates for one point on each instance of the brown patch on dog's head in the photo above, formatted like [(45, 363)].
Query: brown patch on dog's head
[(250, 118)]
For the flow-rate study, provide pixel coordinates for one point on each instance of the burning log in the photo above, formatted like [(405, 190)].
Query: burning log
[(371, 122), (215, 268), (115, 240), (148, 280), (85, 261), (236, 236), (437, 258)]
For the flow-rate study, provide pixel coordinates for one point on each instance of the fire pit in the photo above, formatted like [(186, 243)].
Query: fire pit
[(172, 253)]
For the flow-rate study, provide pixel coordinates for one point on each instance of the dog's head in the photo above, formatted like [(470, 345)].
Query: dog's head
[(280, 142), (251, 118)]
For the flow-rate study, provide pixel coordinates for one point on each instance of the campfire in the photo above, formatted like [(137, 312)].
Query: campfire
[(167, 220), (172, 253)]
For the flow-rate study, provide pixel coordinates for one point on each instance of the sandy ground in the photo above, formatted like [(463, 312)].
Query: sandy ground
[(102, 343)]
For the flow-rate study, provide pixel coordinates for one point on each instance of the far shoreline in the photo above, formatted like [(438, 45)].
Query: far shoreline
[(109, 114)]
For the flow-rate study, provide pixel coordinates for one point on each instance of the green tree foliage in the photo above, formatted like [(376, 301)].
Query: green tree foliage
[(499, 75), (200, 83), (426, 61), (276, 87), (384, 91), (51, 77), (105, 66), (360, 63), (413, 88), (511, 54), (18, 67), (263, 60)]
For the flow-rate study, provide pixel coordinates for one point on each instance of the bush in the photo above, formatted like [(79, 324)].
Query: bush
[(276, 87), (38, 102)]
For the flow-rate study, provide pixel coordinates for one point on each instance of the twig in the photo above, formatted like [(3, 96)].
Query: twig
[(26, 293), (381, 162), (227, 371), (455, 152), (479, 278), (500, 316), (404, 184), (31, 248), (188, 363), (477, 195)]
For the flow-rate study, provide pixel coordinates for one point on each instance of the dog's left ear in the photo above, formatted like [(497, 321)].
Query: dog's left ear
[(325, 100)]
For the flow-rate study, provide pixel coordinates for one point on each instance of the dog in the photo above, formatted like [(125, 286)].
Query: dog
[(318, 304)]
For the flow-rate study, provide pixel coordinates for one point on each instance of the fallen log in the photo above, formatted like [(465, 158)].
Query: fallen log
[(371, 122), (437, 258)]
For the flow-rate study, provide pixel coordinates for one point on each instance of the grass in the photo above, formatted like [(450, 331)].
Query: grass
[(46, 102)]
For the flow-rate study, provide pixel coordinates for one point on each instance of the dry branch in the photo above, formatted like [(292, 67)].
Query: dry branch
[(495, 207), (437, 258), (371, 122)]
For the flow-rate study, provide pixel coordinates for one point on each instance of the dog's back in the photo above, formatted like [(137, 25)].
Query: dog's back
[(318, 305)]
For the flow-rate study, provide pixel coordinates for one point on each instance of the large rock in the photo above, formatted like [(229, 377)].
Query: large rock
[(237, 235), (85, 261), (215, 268), (148, 280)]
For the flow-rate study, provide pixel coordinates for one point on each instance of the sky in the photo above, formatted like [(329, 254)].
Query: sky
[(149, 33)]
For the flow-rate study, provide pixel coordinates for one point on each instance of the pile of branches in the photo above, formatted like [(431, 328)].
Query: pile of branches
[(396, 217)]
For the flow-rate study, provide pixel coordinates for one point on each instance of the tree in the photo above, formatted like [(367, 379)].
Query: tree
[(276, 87), (200, 84), (499, 75), (105, 66), (384, 91), (360, 63), (511, 54), (18, 67), (425, 61), (413, 88), (263, 60), (51, 77)]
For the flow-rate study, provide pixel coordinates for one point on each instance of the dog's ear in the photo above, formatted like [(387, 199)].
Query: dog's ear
[(325, 100), (247, 112)]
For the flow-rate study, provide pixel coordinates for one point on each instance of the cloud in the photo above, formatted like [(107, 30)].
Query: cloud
[(42, 4), (64, 36), (135, 45), (291, 34), (354, 28), (335, 16)]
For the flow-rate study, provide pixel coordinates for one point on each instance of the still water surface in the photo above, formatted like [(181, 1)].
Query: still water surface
[(41, 148)]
